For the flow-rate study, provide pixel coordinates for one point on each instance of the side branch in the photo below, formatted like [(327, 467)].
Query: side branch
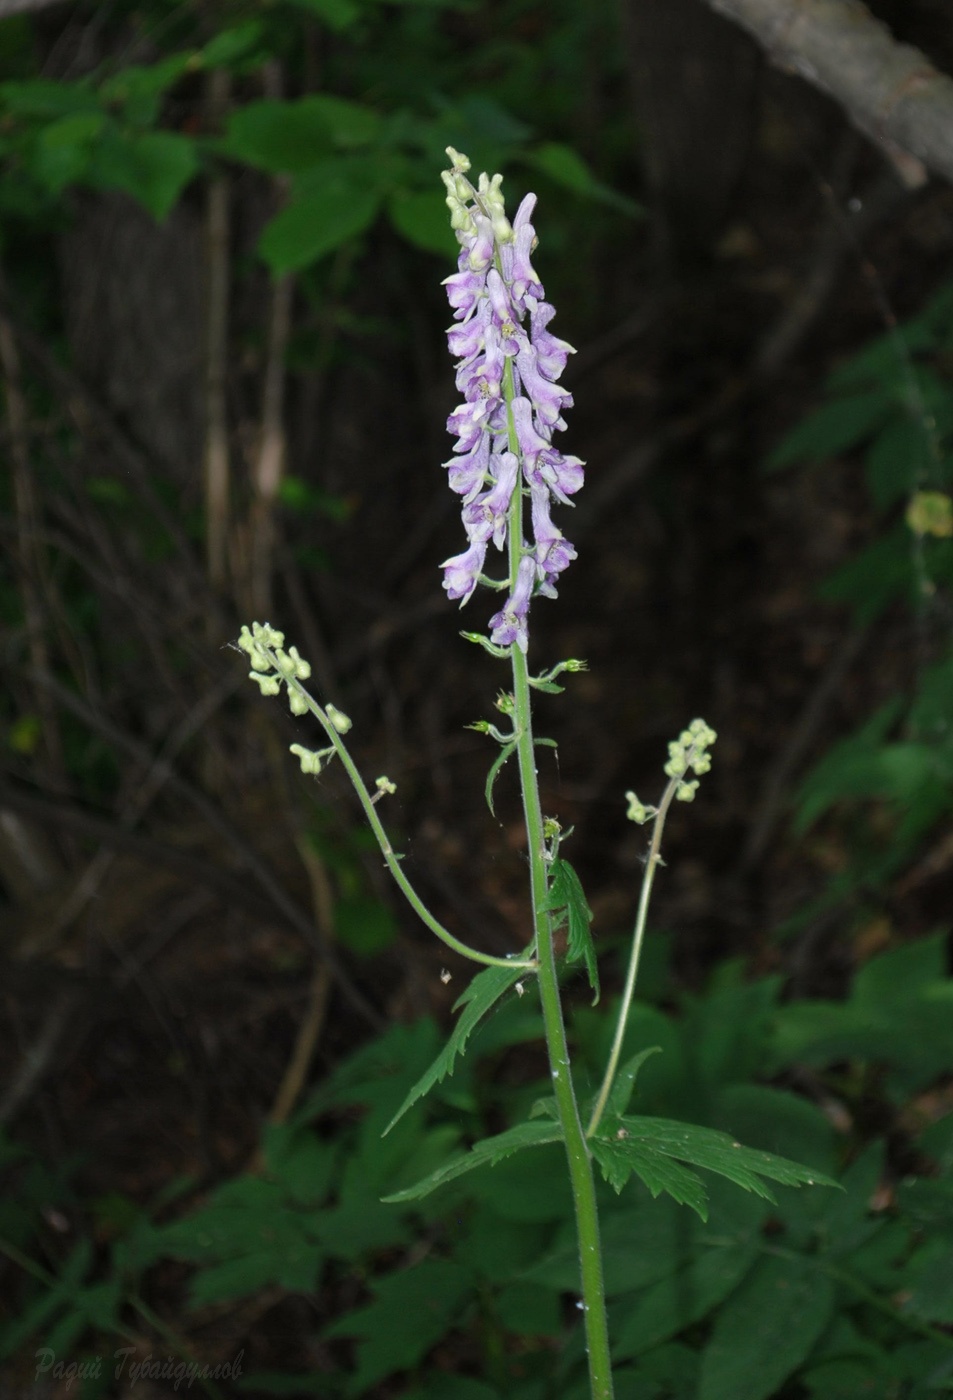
[(890, 91)]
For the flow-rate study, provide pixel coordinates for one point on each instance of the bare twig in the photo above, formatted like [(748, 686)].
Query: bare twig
[(216, 349), (38, 1056), (775, 788), (270, 461), (29, 550), (8, 8)]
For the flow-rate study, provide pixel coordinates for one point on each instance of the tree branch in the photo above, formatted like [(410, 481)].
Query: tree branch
[(19, 7), (889, 90)]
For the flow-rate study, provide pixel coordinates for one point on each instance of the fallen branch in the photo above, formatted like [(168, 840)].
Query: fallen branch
[(889, 90)]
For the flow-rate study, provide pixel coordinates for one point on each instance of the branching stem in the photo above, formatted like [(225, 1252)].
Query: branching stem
[(638, 937), (391, 858)]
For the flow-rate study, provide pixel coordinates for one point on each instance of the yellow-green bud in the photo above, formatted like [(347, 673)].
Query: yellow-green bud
[(270, 685), (637, 811), (310, 760), (338, 719)]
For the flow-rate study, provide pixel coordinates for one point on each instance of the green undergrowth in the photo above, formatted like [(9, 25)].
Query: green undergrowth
[(471, 1293)]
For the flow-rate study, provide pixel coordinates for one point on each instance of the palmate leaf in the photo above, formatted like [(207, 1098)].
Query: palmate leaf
[(567, 900), (485, 1153), (483, 992), (655, 1149)]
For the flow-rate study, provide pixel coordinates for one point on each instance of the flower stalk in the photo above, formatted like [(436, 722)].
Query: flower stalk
[(505, 454)]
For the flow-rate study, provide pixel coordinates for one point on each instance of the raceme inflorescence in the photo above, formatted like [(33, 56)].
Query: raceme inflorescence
[(508, 368)]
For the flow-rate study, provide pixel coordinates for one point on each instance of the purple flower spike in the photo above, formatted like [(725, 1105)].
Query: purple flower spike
[(507, 367)]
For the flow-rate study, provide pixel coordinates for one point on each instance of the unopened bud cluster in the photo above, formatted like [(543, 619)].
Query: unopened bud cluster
[(272, 667), (686, 754)]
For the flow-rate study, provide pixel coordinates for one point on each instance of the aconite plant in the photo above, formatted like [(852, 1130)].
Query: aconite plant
[(509, 475)]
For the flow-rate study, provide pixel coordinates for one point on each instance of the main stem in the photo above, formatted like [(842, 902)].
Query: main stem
[(577, 1150)]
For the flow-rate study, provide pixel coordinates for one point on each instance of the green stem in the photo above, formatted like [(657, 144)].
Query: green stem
[(391, 857), (577, 1149), (638, 936)]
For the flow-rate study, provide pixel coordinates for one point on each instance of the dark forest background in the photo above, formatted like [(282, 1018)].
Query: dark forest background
[(222, 239)]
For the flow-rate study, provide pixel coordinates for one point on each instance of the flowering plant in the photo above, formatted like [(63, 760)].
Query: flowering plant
[(508, 368)]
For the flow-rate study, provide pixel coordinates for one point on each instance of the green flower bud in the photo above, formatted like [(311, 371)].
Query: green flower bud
[(338, 719), (257, 657), (637, 811), (270, 685), (267, 635), (297, 701), (310, 760), (685, 792), (385, 785), (460, 162)]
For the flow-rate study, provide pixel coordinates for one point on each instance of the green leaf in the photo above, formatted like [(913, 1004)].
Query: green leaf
[(295, 137), (484, 991), (152, 166), (831, 429), (411, 1311), (564, 165), (845, 770), (47, 100), (896, 460), (619, 1159), (685, 1295), (624, 1083), (338, 15), (765, 1330), (496, 766), (231, 45), (138, 89), (338, 201), (364, 925), (880, 573), (567, 900), (651, 1146), (421, 218), (485, 1153)]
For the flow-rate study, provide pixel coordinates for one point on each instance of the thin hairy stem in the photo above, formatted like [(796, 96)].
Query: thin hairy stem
[(577, 1150), (638, 937), (391, 857)]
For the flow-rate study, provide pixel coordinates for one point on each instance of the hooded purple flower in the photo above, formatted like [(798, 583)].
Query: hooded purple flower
[(501, 318), (509, 624), (462, 571)]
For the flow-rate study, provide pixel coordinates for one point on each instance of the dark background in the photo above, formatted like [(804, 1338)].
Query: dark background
[(167, 877)]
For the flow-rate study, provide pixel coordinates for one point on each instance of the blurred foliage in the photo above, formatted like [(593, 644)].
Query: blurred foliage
[(838, 1290), (892, 780)]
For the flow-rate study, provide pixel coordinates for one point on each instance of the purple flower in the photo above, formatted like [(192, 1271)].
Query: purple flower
[(486, 515), (501, 319), (509, 624), (462, 571)]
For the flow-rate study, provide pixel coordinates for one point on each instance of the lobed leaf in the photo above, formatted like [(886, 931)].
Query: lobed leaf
[(483, 992), (485, 1153), (653, 1147), (567, 900)]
